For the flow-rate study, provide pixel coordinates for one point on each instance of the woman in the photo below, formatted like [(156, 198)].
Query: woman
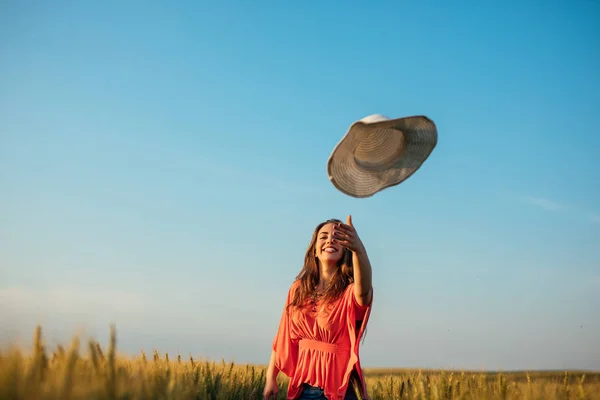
[(326, 312)]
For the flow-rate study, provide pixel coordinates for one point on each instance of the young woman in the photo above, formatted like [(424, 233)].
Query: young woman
[(324, 318)]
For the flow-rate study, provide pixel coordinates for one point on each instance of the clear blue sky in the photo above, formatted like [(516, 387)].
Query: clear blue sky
[(162, 167)]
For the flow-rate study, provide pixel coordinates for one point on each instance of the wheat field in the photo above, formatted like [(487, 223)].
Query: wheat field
[(86, 371)]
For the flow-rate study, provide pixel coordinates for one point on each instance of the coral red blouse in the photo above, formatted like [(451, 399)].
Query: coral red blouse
[(321, 349)]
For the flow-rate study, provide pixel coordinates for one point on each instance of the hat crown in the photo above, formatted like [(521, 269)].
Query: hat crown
[(369, 119)]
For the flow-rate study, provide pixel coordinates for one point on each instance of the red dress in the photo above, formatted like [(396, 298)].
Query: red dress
[(321, 349)]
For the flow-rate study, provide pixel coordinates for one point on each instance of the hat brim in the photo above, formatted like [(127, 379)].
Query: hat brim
[(420, 134)]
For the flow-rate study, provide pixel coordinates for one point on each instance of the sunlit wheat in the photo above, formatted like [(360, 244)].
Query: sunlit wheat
[(74, 375)]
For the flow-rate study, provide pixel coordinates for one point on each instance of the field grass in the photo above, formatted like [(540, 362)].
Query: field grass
[(86, 371)]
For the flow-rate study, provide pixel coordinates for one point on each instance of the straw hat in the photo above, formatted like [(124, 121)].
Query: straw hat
[(378, 152)]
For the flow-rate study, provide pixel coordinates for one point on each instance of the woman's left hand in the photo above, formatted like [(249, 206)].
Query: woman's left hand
[(345, 234)]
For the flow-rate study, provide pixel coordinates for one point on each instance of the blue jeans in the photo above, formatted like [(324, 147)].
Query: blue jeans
[(312, 393), (315, 393)]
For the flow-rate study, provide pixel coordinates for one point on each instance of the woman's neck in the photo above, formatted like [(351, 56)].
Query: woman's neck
[(326, 273)]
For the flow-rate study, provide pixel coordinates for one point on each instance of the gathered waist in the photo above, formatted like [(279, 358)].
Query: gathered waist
[(323, 346)]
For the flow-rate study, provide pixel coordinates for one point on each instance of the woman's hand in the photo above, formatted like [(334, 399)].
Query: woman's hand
[(345, 234), (271, 389)]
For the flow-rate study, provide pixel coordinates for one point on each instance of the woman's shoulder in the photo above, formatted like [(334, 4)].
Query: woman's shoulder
[(350, 287), (294, 286)]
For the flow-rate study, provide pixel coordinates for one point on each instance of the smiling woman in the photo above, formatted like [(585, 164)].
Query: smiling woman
[(325, 314)]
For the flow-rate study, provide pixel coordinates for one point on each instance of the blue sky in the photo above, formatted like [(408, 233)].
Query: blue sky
[(162, 167)]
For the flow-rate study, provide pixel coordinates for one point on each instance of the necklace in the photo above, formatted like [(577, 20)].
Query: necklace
[(315, 298)]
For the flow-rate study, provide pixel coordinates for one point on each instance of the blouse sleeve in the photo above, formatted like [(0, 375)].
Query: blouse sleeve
[(284, 345), (358, 310)]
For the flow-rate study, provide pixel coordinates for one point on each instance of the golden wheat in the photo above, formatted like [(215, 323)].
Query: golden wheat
[(96, 375)]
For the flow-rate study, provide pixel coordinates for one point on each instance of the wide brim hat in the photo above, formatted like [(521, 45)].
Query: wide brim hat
[(378, 152)]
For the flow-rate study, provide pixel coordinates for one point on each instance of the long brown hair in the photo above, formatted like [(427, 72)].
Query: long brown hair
[(309, 274)]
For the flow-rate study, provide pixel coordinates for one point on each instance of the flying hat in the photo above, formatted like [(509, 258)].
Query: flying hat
[(378, 152)]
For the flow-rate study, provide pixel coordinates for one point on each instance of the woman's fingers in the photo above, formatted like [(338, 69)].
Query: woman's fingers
[(346, 236), (344, 240), (345, 228), (340, 234)]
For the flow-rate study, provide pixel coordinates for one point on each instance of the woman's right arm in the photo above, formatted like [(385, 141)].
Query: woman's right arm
[(271, 388), (272, 370)]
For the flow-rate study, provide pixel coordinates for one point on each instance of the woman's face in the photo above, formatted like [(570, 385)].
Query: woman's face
[(327, 250)]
